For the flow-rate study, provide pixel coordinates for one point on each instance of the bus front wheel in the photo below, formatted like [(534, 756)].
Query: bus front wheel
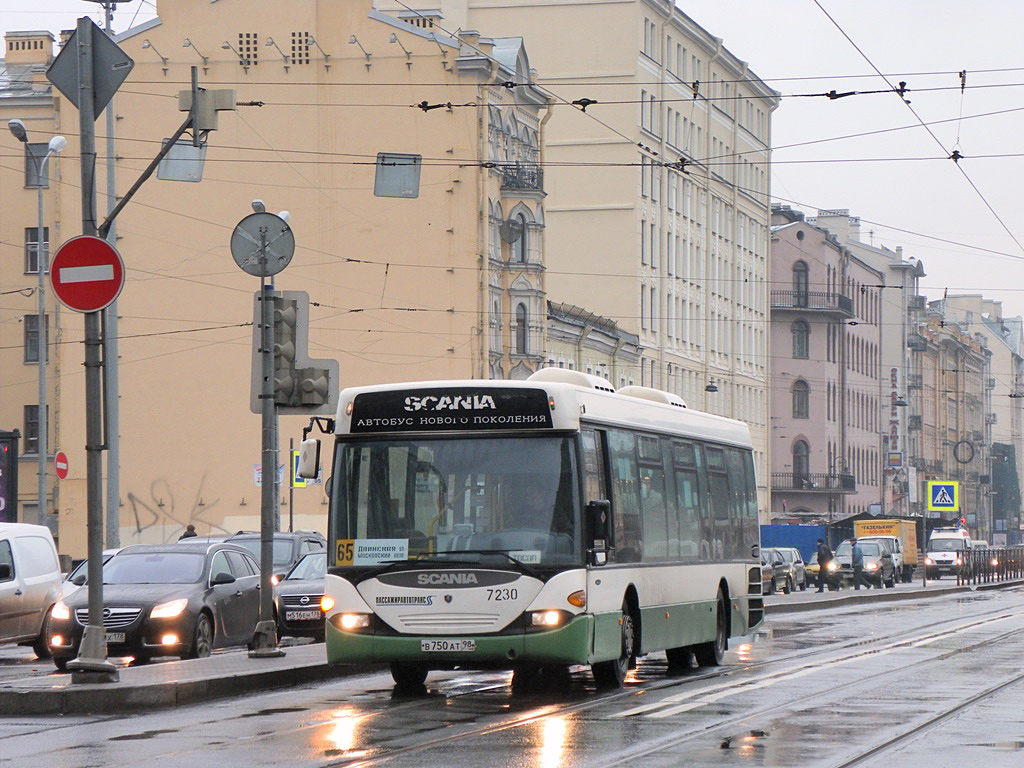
[(408, 676), (611, 674), (712, 653)]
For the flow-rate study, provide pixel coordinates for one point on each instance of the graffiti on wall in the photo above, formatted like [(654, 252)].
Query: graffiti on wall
[(157, 516)]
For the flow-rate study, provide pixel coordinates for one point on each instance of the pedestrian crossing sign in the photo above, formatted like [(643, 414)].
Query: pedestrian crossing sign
[(943, 496)]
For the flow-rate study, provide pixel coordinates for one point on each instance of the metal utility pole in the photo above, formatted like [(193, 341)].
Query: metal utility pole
[(111, 380), (92, 664)]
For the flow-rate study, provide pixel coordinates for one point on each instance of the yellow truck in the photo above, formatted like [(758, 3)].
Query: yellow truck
[(901, 535)]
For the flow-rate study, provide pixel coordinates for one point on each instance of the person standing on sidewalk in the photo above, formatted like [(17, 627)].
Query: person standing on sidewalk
[(824, 558), (857, 561)]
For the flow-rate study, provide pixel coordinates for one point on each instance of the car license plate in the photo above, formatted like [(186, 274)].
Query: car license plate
[(309, 615), (448, 645), (115, 637)]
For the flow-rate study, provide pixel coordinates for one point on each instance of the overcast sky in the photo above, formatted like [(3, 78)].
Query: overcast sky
[(964, 221)]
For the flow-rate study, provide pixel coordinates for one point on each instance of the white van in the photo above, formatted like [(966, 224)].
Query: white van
[(947, 552), (30, 584)]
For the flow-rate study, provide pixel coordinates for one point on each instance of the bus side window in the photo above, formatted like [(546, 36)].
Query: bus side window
[(685, 528), (625, 496), (652, 499), (595, 487)]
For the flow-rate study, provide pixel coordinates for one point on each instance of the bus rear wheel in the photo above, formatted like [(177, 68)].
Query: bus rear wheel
[(712, 653), (408, 676), (611, 674)]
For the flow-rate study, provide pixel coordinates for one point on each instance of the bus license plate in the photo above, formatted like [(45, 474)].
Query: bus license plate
[(302, 615), (115, 637), (447, 646)]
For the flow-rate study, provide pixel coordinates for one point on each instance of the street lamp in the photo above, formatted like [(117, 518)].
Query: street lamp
[(57, 143)]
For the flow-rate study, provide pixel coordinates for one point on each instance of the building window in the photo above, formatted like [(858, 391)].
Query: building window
[(801, 400), (521, 329), (31, 325), (31, 436), (800, 283), (35, 154), (32, 249), (520, 247), (801, 339), (801, 463)]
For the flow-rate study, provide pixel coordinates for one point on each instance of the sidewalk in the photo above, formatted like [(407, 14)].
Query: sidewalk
[(812, 600), (171, 684)]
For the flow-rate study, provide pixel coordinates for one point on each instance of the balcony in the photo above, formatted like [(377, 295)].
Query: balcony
[(917, 343), (813, 482), (522, 177), (914, 423), (934, 466), (813, 301), (914, 381)]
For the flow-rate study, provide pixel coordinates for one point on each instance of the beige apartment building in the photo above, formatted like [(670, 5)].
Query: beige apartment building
[(448, 284), (656, 163)]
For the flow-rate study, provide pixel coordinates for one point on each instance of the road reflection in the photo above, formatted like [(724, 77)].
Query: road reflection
[(554, 734), (341, 736)]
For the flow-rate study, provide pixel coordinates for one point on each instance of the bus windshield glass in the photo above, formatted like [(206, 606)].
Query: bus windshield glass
[(456, 498)]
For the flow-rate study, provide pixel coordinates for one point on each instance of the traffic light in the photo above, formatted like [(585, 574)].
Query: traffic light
[(301, 385), (286, 318)]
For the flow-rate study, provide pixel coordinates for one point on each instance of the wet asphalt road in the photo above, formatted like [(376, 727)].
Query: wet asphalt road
[(917, 681)]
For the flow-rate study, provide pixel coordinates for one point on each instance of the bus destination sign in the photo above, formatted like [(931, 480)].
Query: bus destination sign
[(450, 409)]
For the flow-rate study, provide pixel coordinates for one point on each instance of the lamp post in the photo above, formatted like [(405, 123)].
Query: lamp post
[(57, 143)]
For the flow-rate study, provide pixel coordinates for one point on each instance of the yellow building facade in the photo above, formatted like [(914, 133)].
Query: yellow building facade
[(448, 284)]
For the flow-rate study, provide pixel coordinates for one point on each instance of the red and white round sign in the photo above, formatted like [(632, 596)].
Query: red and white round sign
[(87, 274), (60, 464)]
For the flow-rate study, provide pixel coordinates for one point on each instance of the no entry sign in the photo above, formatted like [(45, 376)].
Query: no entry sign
[(60, 464), (87, 274)]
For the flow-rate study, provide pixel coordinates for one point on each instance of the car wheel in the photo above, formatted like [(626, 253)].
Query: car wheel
[(789, 585), (41, 646), (771, 587), (407, 675), (61, 663), (803, 584), (202, 638), (612, 674), (712, 653)]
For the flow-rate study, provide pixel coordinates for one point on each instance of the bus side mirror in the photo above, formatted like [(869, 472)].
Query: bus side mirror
[(598, 520), (309, 458)]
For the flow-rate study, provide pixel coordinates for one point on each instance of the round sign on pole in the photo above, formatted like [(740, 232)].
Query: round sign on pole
[(87, 274), (60, 464), (262, 244)]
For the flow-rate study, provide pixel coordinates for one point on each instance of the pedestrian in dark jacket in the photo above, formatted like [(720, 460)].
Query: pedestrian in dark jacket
[(824, 558), (857, 561), (190, 531)]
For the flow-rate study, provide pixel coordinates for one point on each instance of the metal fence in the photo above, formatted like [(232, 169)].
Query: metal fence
[(991, 565)]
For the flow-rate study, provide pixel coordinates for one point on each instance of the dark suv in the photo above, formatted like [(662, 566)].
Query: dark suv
[(289, 548)]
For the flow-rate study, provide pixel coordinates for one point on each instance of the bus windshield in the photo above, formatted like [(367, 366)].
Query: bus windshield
[(456, 498)]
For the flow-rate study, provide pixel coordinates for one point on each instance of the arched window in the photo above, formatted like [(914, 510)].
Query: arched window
[(800, 283), (521, 329), (520, 248), (801, 464), (801, 400), (801, 339)]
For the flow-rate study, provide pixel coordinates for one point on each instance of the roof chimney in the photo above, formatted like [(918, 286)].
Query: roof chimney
[(28, 48)]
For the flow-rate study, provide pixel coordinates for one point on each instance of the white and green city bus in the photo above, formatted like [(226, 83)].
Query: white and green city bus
[(531, 525)]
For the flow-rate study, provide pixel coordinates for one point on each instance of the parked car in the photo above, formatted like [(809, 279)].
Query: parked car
[(30, 584), (166, 600), (289, 548), (878, 567), (775, 571), (796, 570), (297, 598)]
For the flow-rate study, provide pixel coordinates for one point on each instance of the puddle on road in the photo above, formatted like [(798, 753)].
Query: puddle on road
[(143, 735)]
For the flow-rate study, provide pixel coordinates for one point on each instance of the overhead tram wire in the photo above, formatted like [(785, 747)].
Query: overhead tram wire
[(924, 125)]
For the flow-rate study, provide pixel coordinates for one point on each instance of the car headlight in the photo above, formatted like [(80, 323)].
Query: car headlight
[(833, 566), (995, 561), (870, 566), (929, 561), (958, 561), (61, 612), (169, 610)]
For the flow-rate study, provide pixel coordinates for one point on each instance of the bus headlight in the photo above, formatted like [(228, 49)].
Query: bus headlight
[(545, 618), (351, 621)]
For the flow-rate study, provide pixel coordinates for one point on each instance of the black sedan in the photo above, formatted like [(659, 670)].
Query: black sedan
[(166, 600), (297, 598)]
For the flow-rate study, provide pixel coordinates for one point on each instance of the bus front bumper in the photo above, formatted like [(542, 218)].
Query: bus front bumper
[(569, 644)]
